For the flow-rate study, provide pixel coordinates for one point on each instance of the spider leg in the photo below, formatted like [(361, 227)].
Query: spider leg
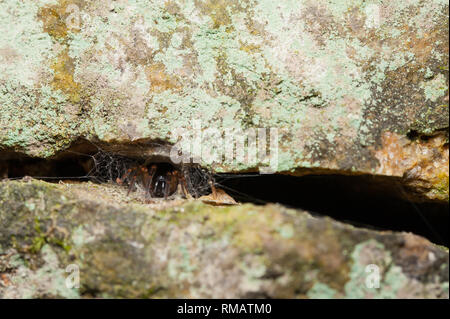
[(174, 182), (167, 185), (186, 180), (143, 175), (184, 187), (124, 177), (148, 185), (132, 184), (213, 188)]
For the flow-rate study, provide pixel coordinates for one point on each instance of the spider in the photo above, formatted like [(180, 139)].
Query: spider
[(158, 180), (163, 180)]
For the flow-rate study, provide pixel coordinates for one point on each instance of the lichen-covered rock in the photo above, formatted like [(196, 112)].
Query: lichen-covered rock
[(348, 84), (189, 249)]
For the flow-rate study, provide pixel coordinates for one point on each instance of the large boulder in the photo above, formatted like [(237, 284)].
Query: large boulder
[(186, 249), (353, 87)]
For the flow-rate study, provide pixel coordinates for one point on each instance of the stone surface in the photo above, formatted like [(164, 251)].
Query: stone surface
[(352, 86), (189, 249)]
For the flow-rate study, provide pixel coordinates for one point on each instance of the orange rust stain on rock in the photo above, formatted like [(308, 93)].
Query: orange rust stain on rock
[(159, 79), (54, 17), (54, 20), (422, 46), (63, 67), (423, 165)]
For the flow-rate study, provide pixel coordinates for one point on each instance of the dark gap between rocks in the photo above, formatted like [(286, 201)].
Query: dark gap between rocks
[(364, 201), (48, 170)]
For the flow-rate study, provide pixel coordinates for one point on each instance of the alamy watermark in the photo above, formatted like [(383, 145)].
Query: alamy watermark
[(73, 278), (254, 147), (373, 277)]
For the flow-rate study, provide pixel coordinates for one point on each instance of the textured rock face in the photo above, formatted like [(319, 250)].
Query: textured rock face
[(189, 249), (351, 87), (348, 84)]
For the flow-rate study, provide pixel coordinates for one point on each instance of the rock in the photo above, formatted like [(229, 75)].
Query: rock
[(352, 87), (185, 249)]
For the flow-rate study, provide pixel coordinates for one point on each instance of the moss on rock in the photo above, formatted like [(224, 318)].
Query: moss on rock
[(190, 249)]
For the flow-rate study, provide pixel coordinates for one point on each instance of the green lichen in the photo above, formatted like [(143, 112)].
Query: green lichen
[(391, 277), (435, 88), (321, 291), (48, 281), (286, 231), (26, 39)]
